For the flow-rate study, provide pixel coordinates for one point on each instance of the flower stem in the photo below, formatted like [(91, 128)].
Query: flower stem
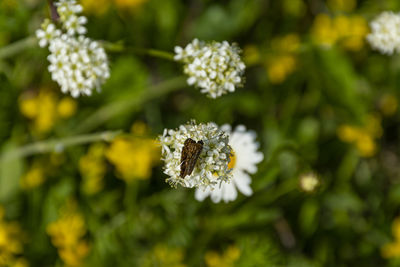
[(127, 105), (57, 144), (118, 47), (16, 47)]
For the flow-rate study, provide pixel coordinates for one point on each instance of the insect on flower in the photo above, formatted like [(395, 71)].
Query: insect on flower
[(190, 153), (196, 155)]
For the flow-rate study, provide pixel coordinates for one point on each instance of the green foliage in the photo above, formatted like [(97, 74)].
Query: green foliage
[(300, 121)]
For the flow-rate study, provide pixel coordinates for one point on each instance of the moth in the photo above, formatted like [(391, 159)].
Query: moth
[(190, 153)]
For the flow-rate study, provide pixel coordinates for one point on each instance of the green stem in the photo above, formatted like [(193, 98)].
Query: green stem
[(283, 189), (57, 144), (117, 47), (128, 104), (130, 197), (284, 146), (16, 47)]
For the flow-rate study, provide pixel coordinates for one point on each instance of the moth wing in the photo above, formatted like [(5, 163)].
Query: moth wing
[(195, 153), (185, 156)]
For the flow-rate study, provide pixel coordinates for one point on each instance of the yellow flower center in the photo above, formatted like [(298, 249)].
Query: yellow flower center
[(232, 161)]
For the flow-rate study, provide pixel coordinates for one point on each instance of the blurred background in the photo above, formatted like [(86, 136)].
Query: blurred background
[(323, 105)]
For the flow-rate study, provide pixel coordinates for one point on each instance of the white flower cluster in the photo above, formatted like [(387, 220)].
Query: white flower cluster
[(244, 160), (77, 63), (385, 33), (216, 68), (212, 164)]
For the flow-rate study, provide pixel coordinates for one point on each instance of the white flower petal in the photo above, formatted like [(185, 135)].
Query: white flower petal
[(242, 180), (245, 148), (201, 194), (216, 195)]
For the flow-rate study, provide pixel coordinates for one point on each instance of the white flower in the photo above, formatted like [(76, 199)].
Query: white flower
[(211, 167), (47, 33), (216, 68), (78, 64), (245, 158), (385, 33), (72, 23)]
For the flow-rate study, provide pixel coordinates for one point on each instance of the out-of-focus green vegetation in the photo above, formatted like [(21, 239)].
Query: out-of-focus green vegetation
[(81, 181)]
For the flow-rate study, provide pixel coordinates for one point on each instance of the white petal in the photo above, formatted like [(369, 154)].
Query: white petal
[(216, 194), (201, 194), (242, 181), (229, 192), (191, 80), (42, 42)]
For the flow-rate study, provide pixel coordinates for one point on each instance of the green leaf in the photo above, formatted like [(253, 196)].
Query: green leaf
[(338, 81), (308, 217), (10, 172)]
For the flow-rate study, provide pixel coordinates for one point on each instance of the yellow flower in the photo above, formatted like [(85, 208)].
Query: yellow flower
[(396, 228), (227, 259), (348, 133), (11, 239), (96, 7), (28, 107), (322, 30), (352, 37), (67, 234), (341, 24), (92, 167), (362, 137), (134, 156), (392, 249), (350, 31), (279, 67), (73, 256), (388, 104), (34, 177), (283, 61), (366, 145), (162, 255), (45, 109), (46, 117), (66, 107)]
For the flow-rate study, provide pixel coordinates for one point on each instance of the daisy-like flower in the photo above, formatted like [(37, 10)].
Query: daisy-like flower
[(211, 167), (244, 160), (77, 63), (216, 68), (385, 33)]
